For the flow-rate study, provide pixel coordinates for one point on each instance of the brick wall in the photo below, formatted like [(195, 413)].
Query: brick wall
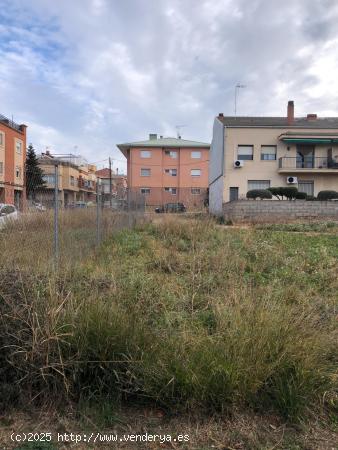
[(278, 210)]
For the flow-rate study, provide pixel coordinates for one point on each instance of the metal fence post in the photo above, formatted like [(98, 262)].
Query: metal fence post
[(98, 238), (129, 208), (56, 215)]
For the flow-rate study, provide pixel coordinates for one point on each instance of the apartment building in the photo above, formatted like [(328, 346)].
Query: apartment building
[(167, 170), (261, 152), (112, 184), (76, 180), (12, 162)]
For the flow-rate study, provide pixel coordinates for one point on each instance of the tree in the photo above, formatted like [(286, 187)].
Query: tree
[(34, 173), (259, 193), (288, 192), (327, 195)]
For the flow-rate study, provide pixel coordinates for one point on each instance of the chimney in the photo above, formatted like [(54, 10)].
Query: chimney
[(152, 136), (117, 170), (311, 117), (220, 115), (291, 112)]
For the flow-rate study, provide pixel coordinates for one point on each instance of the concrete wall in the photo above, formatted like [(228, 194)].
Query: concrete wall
[(271, 210)]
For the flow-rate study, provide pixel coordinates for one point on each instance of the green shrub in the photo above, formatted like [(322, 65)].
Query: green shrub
[(301, 196), (311, 198), (259, 193), (276, 192), (327, 195), (288, 192)]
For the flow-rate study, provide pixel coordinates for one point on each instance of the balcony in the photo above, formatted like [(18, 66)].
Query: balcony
[(304, 164)]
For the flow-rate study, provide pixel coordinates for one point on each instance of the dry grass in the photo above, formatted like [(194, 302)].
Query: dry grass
[(187, 316), (29, 241), (241, 431)]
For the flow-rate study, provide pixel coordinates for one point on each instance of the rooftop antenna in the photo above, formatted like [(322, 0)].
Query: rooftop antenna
[(178, 128), (237, 87)]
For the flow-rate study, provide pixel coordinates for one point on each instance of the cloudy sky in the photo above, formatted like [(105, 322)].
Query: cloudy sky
[(87, 74)]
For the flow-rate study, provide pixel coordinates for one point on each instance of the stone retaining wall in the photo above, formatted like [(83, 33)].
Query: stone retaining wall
[(279, 210)]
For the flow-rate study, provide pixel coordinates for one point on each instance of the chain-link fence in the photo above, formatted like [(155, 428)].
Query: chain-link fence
[(171, 199), (54, 226)]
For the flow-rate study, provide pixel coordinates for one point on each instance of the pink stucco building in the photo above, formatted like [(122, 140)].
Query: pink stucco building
[(167, 170)]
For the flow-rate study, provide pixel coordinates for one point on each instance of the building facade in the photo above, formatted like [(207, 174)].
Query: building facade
[(12, 162), (261, 152), (112, 184), (168, 170), (76, 180)]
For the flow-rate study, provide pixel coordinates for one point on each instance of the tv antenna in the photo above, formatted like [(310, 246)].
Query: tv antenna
[(178, 129), (237, 87)]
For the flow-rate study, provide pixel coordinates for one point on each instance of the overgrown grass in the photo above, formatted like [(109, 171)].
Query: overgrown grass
[(29, 241), (300, 227), (186, 315)]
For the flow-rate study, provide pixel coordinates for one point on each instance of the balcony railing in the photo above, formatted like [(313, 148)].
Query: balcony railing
[(307, 162)]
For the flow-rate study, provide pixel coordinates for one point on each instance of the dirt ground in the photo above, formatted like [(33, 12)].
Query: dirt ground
[(238, 432)]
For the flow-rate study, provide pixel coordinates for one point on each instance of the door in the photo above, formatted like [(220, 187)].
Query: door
[(306, 186), (305, 156), (233, 194)]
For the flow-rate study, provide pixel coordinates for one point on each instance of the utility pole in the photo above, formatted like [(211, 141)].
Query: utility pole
[(110, 185), (56, 215), (238, 86)]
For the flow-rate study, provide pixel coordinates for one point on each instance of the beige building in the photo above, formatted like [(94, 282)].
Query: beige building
[(261, 152), (76, 180)]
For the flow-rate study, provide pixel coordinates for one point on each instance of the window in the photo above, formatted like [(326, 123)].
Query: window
[(1, 168), (18, 172), (72, 181), (145, 191), (49, 179), (195, 172), (171, 153), (173, 191), (196, 155), (145, 172), (268, 152), (306, 186), (195, 191), (172, 172), (2, 138), (258, 184), (18, 146), (245, 152), (145, 154)]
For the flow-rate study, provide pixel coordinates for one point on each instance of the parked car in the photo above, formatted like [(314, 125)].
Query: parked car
[(80, 205), (7, 213), (39, 207), (119, 204), (171, 208)]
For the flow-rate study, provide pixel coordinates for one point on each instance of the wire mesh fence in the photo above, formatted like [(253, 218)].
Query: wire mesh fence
[(174, 199), (54, 227)]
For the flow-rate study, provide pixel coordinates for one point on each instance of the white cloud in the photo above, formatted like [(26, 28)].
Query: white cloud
[(94, 73)]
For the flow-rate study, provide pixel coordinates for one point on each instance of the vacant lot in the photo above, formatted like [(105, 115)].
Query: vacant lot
[(234, 326)]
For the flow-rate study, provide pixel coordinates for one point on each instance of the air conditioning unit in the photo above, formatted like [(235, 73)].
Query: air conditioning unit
[(292, 180), (238, 163)]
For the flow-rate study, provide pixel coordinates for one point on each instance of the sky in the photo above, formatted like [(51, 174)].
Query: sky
[(85, 75)]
